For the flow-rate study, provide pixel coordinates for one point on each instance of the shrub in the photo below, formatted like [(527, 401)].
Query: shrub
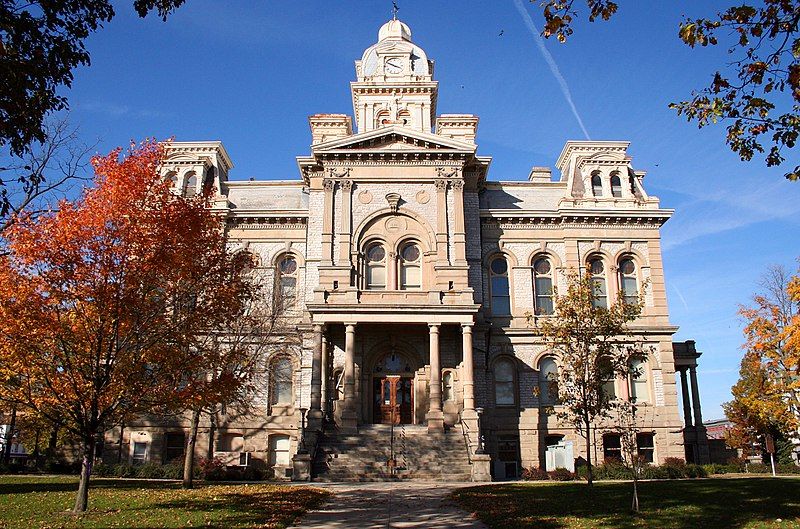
[(758, 468), (212, 469), (172, 471), (695, 471), (656, 472), (102, 470), (535, 474), (150, 471), (611, 469), (788, 468), (561, 474)]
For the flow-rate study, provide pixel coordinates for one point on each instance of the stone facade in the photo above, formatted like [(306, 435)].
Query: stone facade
[(409, 267)]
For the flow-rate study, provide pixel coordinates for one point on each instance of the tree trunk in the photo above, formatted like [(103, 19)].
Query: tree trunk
[(10, 435), (121, 439), (635, 501), (589, 470), (82, 498), (212, 433), (188, 460), (52, 444)]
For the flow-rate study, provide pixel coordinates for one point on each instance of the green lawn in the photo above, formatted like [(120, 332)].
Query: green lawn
[(45, 503), (730, 503)]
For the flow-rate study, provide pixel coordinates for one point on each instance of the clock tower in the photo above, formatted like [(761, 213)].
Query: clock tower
[(395, 83)]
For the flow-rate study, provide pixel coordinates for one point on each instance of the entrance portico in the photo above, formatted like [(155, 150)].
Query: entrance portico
[(386, 373)]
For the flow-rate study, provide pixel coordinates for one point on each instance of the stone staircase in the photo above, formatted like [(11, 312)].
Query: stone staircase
[(420, 455)]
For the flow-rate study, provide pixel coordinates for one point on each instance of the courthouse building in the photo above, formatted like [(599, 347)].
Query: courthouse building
[(412, 276)]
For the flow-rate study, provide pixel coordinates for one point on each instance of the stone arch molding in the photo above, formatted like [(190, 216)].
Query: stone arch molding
[(392, 227), (400, 347)]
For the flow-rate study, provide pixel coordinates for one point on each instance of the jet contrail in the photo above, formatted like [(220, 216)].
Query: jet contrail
[(526, 17)]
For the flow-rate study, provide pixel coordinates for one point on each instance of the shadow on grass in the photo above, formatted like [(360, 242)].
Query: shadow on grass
[(277, 506), (713, 503), (27, 485)]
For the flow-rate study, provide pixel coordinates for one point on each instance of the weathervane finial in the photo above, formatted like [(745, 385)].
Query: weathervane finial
[(395, 9)]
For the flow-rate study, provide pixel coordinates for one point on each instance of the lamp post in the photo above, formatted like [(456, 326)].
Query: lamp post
[(479, 450), (302, 449)]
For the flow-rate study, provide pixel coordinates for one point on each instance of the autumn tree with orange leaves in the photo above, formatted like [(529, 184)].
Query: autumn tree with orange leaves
[(102, 300), (766, 399)]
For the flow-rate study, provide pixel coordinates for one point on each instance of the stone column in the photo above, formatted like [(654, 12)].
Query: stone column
[(698, 415), (315, 413), (327, 222), (468, 375), (325, 376), (459, 232), (441, 221), (344, 228), (349, 413), (687, 406), (435, 416)]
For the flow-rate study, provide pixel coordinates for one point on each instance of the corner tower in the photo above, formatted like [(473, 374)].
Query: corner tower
[(394, 83)]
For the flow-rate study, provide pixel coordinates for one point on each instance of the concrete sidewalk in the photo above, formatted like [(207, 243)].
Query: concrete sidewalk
[(390, 505)]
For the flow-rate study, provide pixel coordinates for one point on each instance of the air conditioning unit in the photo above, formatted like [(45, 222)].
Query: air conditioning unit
[(244, 459)]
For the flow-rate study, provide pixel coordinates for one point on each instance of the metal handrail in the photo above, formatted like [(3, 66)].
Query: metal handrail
[(465, 434)]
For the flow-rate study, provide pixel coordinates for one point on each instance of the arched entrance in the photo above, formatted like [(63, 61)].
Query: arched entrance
[(393, 390)]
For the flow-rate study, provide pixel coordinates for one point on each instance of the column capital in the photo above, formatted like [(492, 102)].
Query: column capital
[(467, 327), (434, 327), (319, 327)]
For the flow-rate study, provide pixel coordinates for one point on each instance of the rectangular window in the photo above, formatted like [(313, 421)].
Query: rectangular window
[(139, 453), (640, 390), (612, 447), (501, 300), (173, 446), (544, 292), (376, 277), (279, 451), (411, 278), (645, 446), (600, 294), (630, 294)]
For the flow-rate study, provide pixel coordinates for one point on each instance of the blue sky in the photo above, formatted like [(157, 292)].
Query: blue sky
[(249, 74)]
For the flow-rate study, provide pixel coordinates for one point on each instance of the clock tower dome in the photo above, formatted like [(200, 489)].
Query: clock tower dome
[(395, 83)]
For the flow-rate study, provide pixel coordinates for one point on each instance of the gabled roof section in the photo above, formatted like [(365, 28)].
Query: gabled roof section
[(392, 139)]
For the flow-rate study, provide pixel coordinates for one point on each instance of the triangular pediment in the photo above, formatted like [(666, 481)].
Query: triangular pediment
[(391, 139)]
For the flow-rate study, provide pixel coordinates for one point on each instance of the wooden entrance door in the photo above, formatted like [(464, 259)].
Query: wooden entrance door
[(393, 400)]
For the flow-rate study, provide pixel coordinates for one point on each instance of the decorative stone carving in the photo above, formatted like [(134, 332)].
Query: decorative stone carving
[(347, 185), (423, 197), (446, 172), (395, 224), (394, 201), (328, 184), (345, 172), (365, 197), (457, 184), (441, 185)]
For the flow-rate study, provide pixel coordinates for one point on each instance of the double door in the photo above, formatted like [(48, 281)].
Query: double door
[(393, 400)]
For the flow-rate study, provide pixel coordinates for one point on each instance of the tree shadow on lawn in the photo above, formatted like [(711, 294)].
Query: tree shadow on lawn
[(25, 485), (712, 503), (251, 505)]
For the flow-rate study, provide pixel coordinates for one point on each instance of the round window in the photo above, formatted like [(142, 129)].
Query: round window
[(376, 253), (627, 267), (288, 265), (596, 266), (499, 266), (542, 266), (410, 253)]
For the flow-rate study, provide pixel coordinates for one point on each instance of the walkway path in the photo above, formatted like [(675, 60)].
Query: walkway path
[(390, 506)]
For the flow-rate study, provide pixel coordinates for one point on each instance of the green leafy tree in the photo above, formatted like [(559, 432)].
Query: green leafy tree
[(593, 345), (757, 92)]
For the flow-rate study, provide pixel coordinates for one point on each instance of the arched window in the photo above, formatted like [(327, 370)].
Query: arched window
[(616, 185), (404, 117), (287, 280), (627, 281), (410, 267), (548, 381), (640, 391), (447, 386), (598, 272), (376, 267), (382, 119), (498, 286), (281, 375), (504, 394), (190, 186), (542, 286), (597, 184)]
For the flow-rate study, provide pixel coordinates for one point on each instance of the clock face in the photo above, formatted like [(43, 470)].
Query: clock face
[(394, 65)]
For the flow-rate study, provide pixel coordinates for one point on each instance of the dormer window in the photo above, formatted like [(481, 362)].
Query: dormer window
[(597, 184)]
